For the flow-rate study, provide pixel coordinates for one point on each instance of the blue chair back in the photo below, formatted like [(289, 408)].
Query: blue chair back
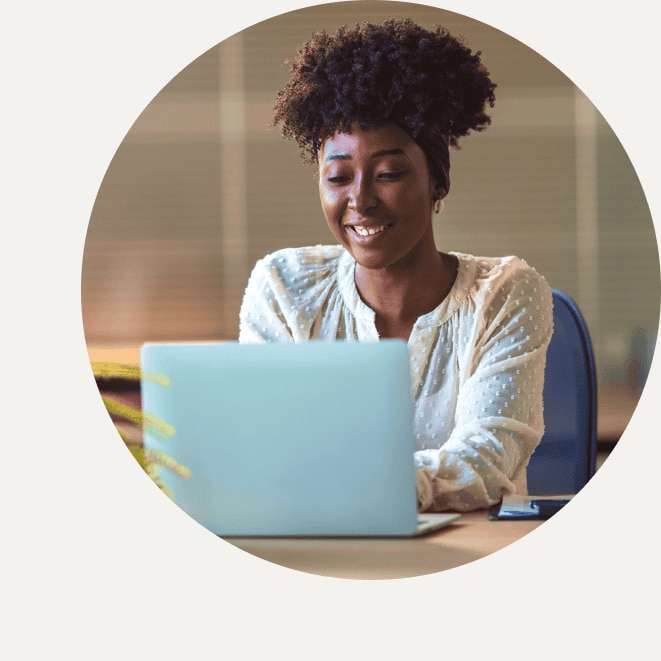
[(565, 459)]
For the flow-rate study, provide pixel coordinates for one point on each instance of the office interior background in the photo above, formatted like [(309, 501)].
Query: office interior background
[(202, 187)]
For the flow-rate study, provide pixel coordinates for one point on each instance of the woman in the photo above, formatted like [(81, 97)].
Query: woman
[(376, 107)]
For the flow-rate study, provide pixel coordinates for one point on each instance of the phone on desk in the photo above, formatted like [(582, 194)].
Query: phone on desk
[(537, 508)]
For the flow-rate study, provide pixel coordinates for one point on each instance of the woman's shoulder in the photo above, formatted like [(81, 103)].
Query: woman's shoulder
[(306, 256), (503, 281), (293, 267), (505, 272)]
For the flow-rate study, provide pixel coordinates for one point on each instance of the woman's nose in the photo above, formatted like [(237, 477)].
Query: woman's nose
[(362, 196)]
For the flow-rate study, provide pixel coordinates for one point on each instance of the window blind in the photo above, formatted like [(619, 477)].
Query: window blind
[(202, 187)]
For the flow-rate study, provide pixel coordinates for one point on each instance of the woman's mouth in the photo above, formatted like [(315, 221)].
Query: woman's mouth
[(369, 231)]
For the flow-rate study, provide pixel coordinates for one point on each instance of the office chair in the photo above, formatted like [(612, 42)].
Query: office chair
[(565, 459)]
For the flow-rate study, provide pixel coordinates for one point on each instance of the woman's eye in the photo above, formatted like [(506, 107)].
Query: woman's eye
[(390, 174), (337, 179)]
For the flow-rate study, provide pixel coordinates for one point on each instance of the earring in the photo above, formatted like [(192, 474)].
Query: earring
[(438, 205)]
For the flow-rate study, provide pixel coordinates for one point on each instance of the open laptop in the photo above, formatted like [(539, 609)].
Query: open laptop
[(283, 439)]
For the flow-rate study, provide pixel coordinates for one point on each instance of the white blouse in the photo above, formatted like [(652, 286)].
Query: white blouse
[(477, 361)]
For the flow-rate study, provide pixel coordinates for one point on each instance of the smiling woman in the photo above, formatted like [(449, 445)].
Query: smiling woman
[(376, 108)]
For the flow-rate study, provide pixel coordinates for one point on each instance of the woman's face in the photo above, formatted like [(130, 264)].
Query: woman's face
[(377, 195)]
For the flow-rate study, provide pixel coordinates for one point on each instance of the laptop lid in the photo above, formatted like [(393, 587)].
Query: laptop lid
[(286, 439)]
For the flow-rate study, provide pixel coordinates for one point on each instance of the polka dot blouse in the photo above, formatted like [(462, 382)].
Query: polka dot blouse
[(477, 361)]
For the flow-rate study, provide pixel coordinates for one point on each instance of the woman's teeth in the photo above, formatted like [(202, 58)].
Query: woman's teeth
[(365, 231)]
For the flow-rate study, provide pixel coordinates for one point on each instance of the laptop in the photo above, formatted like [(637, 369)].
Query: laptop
[(287, 440)]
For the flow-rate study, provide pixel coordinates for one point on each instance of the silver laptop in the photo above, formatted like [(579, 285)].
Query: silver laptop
[(282, 439)]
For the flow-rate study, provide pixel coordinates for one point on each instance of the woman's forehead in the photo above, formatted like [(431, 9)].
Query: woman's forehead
[(388, 139)]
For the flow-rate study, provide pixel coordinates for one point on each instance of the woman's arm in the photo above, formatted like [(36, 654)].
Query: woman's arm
[(499, 415)]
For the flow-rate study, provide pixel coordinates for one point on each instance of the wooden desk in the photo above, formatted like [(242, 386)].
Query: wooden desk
[(469, 538)]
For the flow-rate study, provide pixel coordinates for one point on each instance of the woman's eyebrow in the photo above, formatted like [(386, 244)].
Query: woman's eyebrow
[(381, 152), (338, 157), (387, 152)]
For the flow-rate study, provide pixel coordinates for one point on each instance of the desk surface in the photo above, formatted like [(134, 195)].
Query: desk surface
[(469, 538)]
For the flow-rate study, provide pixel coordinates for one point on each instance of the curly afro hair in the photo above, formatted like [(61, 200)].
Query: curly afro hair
[(427, 81)]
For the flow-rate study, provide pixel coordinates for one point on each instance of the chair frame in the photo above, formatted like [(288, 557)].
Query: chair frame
[(589, 423)]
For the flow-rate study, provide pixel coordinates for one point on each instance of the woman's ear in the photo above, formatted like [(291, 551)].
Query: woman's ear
[(437, 198), (439, 192)]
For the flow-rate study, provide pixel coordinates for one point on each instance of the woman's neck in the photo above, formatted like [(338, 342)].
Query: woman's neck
[(399, 295)]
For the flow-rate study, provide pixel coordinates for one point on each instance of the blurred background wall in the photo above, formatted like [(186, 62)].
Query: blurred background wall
[(202, 187)]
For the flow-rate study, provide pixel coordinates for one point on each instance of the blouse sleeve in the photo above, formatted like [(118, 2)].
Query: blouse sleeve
[(499, 418), (262, 317)]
